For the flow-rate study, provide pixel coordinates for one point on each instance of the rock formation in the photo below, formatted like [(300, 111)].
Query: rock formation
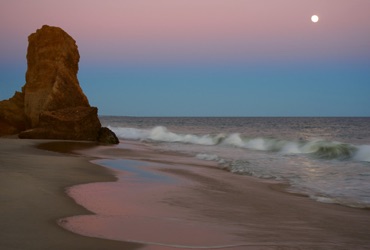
[(105, 135), (77, 123), (51, 78), (12, 116), (52, 104)]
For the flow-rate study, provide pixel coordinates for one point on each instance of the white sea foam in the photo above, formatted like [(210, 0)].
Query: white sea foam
[(208, 157), (291, 148), (129, 133), (163, 134), (317, 147), (325, 159), (363, 153), (234, 140), (263, 144)]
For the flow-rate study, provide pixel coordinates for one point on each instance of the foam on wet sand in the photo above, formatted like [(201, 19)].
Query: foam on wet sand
[(162, 199), (169, 199)]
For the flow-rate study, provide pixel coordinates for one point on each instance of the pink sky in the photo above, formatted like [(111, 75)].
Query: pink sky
[(195, 29)]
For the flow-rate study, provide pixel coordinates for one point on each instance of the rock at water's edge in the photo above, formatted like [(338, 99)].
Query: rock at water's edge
[(107, 136), (52, 104), (80, 123)]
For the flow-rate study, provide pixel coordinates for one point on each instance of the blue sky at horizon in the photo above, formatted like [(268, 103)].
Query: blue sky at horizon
[(205, 58)]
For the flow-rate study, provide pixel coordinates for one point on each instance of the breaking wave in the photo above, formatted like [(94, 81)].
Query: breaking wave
[(317, 147)]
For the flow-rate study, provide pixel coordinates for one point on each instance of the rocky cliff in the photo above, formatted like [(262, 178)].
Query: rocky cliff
[(52, 104)]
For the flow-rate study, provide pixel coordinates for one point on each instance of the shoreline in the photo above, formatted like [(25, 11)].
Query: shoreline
[(33, 198), (262, 215), (267, 216)]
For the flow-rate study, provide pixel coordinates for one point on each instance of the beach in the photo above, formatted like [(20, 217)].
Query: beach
[(224, 210), (175, 125), (33, 198)]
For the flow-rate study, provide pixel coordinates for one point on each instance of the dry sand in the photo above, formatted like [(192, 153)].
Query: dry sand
[(261, 215), (32, 198)]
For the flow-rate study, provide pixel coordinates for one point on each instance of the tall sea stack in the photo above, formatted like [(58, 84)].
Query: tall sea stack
[(52, 104), (51, 78)]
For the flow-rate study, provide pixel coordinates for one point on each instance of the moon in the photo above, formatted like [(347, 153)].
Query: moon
[(315, 18)]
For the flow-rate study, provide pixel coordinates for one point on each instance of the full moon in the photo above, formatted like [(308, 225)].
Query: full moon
[(314, 18)]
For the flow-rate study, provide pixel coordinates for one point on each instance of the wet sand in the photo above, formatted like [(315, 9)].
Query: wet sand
[(182, 200), (33, 198), (175, 201)]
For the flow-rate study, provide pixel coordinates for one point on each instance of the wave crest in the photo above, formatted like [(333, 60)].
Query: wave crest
[(163, 134), (319, 148)]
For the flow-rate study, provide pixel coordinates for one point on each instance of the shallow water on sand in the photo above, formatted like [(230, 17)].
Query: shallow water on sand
[(135, 209), (327, 159), (171, 201)]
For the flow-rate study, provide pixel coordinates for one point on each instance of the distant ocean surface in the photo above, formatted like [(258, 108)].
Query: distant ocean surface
[(327, 159)]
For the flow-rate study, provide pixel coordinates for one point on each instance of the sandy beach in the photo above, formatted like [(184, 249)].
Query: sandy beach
[(33, 198), (223, 210)]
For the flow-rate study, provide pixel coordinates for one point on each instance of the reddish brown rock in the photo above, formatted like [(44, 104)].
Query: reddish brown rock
[(52, 104), (78, 123), (51, 78), (12, 116)]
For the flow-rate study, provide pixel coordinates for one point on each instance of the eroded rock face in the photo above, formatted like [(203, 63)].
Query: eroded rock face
[(51, 78), (12, 116), (77, 123), (52, 104)]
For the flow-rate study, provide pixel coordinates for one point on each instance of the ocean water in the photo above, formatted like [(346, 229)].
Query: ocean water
[(327, 159)]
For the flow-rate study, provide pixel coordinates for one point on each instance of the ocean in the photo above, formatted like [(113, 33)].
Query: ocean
[(327, 159)]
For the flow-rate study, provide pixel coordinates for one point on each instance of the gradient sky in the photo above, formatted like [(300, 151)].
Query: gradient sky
[(204, 57)]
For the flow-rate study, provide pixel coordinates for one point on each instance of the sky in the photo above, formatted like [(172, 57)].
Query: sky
[(204, 57)]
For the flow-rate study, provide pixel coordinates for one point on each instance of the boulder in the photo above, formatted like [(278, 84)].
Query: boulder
[(107, 136)]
